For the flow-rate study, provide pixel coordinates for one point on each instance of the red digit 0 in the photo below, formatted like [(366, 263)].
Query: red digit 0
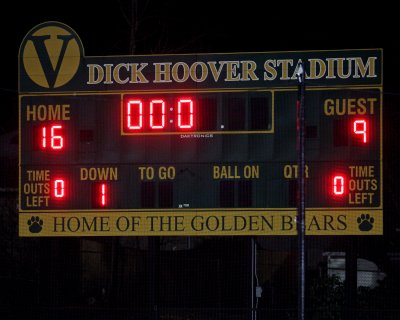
[(185, 113), (134, 115), (338, 185), (157, 114), (59, 188)]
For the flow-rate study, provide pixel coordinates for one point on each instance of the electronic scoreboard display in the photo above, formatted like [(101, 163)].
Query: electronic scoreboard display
[(195, 144)]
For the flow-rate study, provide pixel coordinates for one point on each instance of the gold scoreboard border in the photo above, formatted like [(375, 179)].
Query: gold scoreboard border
[(40, 219), (244, 222)]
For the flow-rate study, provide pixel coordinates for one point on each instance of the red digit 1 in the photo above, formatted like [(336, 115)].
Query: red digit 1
[(103, 199), (338, 185), (360, 127), (134, 117), (185, 113), (157, 114), (44, 138)]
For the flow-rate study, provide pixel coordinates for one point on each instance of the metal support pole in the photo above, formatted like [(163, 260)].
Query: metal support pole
[(152, 283), (350, 285), (253, 275), (301, 192)]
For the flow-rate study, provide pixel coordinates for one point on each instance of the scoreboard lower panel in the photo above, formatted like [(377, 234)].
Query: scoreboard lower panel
[(199, 163)]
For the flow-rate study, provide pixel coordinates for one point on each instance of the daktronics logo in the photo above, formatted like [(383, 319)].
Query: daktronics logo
[(51, 54)]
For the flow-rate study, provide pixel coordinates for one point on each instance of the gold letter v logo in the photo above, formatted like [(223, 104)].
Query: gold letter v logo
[(50, 71)]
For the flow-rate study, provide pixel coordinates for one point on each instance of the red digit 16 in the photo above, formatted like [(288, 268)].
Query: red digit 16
[(50, 137)]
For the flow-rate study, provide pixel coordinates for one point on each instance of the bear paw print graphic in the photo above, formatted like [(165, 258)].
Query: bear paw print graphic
[(365, 222), (35, 224)]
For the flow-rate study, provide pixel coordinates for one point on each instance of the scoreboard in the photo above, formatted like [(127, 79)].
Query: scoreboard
[(195, 144)]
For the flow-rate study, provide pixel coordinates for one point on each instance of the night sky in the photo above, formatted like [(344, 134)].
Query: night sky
[(212, 26), (200, 27)]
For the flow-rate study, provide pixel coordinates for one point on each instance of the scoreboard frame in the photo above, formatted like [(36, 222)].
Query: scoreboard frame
[(71, 82)]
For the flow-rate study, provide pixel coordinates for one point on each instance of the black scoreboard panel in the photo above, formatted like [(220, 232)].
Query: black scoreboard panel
[(195, 144), (217, 112), (199, 150)]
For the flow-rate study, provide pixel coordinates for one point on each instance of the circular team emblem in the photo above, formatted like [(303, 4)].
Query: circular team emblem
[(51, 54)]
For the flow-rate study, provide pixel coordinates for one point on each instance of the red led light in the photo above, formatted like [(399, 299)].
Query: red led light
[(360, 128), (148, 115), (185, 113), (157, 114), (135, 114), (57, 142), (59, 188), (103, 200), (43, 144), (56, 139), (338, 185)]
